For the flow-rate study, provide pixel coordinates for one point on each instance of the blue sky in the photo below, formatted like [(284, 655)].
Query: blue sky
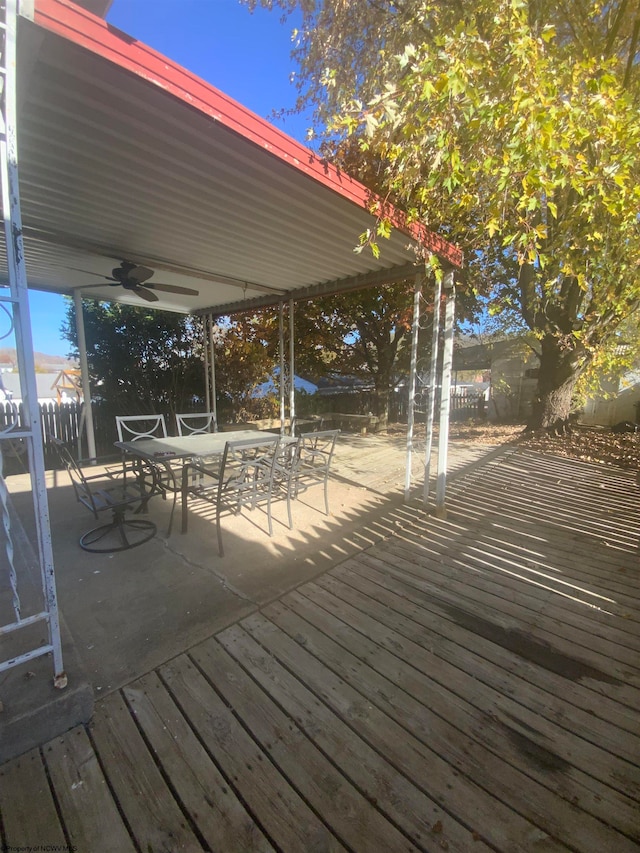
[(244, 55)]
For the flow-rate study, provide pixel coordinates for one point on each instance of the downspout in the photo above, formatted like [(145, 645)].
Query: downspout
[(84, 375)]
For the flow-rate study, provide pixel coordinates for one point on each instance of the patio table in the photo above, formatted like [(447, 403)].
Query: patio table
[(163, 452)]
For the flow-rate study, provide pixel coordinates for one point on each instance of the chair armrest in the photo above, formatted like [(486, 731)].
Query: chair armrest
[(116, 466)]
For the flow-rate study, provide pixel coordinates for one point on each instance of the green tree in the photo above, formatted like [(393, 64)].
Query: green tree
[(364, 334), (246, 347), (513, 129), (140, 360)]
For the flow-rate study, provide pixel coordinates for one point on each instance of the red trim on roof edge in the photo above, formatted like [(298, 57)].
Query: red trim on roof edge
[(80, 27)]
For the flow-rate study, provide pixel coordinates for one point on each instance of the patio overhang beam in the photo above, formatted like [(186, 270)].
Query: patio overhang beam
[(371, 279)]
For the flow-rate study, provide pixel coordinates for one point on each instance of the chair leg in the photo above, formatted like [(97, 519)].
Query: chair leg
[(326, 496), (173, 509), (219, 532), (289, 509), (269, 516), (185, 511)]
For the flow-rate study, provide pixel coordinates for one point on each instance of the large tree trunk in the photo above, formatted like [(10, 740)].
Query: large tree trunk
[(380, 404), (559, 372)]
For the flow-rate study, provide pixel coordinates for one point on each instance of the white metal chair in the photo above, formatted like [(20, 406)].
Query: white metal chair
[(284, 466), (243, 478), (135, 427), (313, 462), (104, 493), (195, 423), (138, 427)]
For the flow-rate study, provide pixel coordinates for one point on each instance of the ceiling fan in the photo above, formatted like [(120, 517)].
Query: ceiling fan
[(131, 277)]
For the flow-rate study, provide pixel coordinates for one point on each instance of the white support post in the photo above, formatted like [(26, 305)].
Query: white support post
[(84, 375), (292, 367), (283, 379), (205, 358), (431, 399), (16, 267), (212, 365), (445, 400), (417, 293)]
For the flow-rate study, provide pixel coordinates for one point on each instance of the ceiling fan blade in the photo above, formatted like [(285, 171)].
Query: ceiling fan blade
[(139, 274), (145, 293), (173, 288)]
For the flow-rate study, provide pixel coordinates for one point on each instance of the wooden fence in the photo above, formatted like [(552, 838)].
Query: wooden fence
[(60, 420), (462, 407)]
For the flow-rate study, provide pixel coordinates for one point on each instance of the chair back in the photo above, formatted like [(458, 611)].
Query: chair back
[(284, 463), (135, 427), (195, 423), (246, 470), (80, 486), (316, 450)]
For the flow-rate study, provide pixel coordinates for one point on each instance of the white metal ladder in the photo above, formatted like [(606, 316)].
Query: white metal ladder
[(17, 306)]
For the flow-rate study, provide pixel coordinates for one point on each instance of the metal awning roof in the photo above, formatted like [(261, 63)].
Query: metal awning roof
[(124, 155)]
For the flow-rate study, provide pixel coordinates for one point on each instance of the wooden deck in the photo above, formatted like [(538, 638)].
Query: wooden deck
[(468, 684)]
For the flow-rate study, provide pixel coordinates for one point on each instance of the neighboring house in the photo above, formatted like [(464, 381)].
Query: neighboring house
[(271, 386), (513, 369), (335, 384), (621, 403)]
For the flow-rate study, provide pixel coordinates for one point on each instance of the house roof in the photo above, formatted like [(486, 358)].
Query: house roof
[(126, 156)]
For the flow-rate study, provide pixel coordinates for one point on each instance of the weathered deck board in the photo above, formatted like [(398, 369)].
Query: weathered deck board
[(466, 585), (221, 818), (457, 795), (507, 599), (89, 811), (464, 684), (564, 597), (155, 819), (351, 816), (23, 781), (275, 803), (380, 782), (491, 774), (493, 664), (493, 720)]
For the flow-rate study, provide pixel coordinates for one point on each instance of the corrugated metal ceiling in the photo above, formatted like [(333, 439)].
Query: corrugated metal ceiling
[(122, 161)]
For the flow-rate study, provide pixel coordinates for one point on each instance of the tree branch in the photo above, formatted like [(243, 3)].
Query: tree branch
[(632, 52), (526, 284)]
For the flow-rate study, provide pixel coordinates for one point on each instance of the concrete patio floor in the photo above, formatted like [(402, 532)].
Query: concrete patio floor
[(125, 614)]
